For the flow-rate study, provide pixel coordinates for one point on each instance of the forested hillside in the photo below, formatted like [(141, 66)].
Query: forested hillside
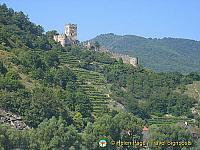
[(167, 54), (71, 97)]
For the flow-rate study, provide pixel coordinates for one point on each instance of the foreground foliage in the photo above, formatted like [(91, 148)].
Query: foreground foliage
[(50, 87)]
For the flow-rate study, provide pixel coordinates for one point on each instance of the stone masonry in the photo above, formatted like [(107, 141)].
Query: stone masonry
[(126, 58), (69, 37)]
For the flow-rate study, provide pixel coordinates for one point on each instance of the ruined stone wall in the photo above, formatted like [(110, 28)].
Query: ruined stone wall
[(69, 37), (87, 45), (126, 58), (134, 61), (60, 38)]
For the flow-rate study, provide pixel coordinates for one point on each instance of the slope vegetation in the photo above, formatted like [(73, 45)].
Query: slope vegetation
[(167, 54), (71, 97)]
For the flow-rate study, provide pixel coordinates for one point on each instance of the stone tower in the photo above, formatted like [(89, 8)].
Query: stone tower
[(71, 32), (69, 37)]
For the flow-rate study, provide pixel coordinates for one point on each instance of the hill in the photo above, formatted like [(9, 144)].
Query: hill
[(54, 97), (167, 54)]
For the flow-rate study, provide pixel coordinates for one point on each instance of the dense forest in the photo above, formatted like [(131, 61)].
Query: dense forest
[(161, 55), (71, 97)]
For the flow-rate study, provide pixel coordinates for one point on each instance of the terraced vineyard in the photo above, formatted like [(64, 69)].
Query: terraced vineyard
[(93, 83), (169, 120), (66, 58)]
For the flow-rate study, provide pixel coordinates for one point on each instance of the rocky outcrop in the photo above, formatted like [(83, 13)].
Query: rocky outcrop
[(12, 120)]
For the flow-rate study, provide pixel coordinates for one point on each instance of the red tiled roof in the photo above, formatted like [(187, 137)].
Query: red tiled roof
[(145, 128)]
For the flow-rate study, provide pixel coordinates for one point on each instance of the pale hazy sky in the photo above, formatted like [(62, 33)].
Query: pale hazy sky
[(148, 18)]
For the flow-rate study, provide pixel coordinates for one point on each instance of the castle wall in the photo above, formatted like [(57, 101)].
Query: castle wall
[(134, 61), (126, 58), (60, 38), (69, 37)]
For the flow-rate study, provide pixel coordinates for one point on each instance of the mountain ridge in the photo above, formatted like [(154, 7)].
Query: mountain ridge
[(166, 54)]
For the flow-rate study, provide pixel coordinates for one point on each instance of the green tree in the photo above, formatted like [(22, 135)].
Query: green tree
[(54, 134), (78, 121), (44, 103), (168, 133), (83, 104), (52, 59), (3, 69)]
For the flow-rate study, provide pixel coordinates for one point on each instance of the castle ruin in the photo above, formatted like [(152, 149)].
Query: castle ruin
[(69, 37), (125, 58)]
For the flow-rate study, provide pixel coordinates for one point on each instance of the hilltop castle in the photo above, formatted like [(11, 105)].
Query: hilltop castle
[(69, 37)]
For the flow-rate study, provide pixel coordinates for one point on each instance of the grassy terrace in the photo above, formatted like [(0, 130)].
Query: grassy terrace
[(66, 58), (168, 120), (93, 83), (90, 81)]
